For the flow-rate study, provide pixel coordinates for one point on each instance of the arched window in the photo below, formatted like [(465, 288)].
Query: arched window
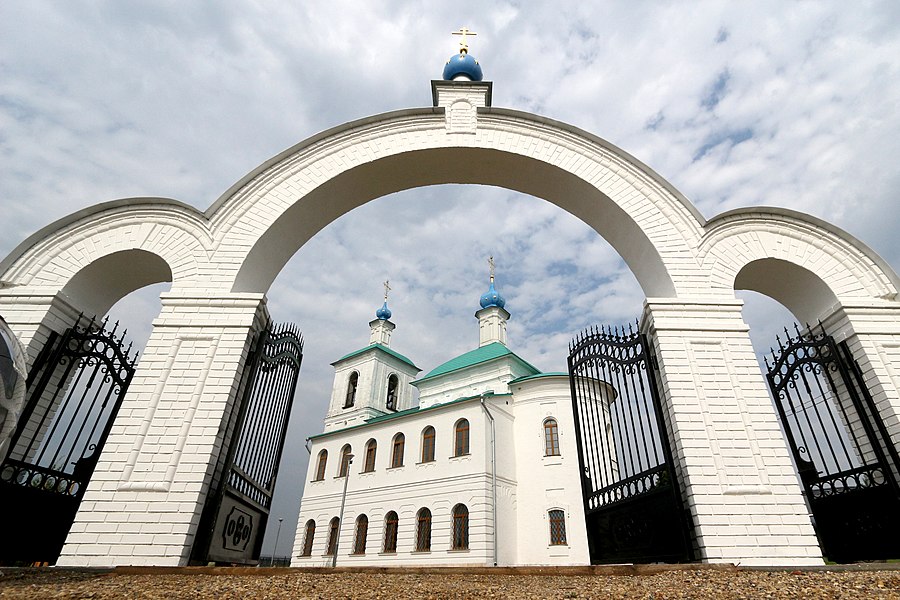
[(397, 454), (351, 389), (369, 465), (320, 465), (551, 438), (393, 383), (460, 527), (390, 532), (308, 537), (557, 528), (423, 530), (346, 457), (428, 444), (461, 441), (333, 527), (362, 530)]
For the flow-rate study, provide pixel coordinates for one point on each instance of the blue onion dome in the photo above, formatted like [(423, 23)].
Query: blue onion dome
[(462, 64), (383, 313), (492, 298)]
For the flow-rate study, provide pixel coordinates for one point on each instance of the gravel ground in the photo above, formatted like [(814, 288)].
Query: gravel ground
[(294, 584)]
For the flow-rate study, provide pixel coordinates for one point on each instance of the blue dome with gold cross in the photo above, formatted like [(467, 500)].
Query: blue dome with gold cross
[(462, 65)]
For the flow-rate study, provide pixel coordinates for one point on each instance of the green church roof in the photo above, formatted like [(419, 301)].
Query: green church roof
[(485, 353), (381, 347)]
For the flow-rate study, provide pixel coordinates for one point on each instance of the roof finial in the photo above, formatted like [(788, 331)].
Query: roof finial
[(491, 265), (387, 288), (463, 46)]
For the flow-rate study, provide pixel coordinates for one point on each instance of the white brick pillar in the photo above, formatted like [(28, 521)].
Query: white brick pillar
[(145, 499), (740, 485), (33, 316), (872, 331)]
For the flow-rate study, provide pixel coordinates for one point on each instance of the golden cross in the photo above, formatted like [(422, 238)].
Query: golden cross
[(387, 288), (463, 46), (491, 265)]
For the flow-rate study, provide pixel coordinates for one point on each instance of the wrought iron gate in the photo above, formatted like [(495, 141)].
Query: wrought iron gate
[(236, 515), (632, 499), (74, 392), (847, 463)]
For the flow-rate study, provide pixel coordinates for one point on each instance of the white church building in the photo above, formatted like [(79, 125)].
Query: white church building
[(481, 470)]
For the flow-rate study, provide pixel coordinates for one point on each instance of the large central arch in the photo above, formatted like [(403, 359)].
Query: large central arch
[(221, 263)]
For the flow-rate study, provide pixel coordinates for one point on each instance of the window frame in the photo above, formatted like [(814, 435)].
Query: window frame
[(321, 465), (369, 462), (560, 520), (423, 530), (390, 402), (461, 437), (398, 449), (352, 385), (309, 536), (361, 534), (344, 466), (459, 535), (334, 526), (551, 437), (391, 526), (426, 445)]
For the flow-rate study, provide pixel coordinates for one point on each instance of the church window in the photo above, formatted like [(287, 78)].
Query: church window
[(390, 532), (308, 537), (351, 389), (428, 444), (460, 527), (461, 443), (333, 527), (393, 383), (369, 465), (362, 530), (551, 438), (557, 528), (423, 530), (320, 465), (397, 455), (346, 456)]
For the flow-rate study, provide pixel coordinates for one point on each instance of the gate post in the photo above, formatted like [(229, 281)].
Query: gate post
[(145, 499), (34, 316), (740, 485), (873, 334)]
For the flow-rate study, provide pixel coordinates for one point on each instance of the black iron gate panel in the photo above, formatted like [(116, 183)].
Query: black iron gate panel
[(632, 500), (239, 511), (74, 392), (844, 456)]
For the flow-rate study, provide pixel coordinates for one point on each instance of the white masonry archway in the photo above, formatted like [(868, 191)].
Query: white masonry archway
[(147, 493)]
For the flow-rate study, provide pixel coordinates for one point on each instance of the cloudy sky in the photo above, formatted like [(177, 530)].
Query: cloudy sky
[(735, 103)]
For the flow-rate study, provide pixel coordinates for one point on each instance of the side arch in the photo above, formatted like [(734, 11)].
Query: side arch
[(807, 265), (97, 256)]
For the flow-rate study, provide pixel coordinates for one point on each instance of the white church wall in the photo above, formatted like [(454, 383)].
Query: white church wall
[(547, 482), (437, 485)]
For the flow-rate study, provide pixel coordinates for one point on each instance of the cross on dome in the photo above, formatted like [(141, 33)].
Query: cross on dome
[(492, 297), (384, 313), (463, 46)]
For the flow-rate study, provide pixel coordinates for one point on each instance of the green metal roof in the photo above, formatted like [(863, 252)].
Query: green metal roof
[(404, 413), (538, 376), (383, 348), (491, 351)]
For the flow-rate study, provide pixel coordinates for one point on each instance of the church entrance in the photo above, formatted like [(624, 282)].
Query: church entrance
[(631, 491), (847, 464), (236, 512), (75, 389)]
